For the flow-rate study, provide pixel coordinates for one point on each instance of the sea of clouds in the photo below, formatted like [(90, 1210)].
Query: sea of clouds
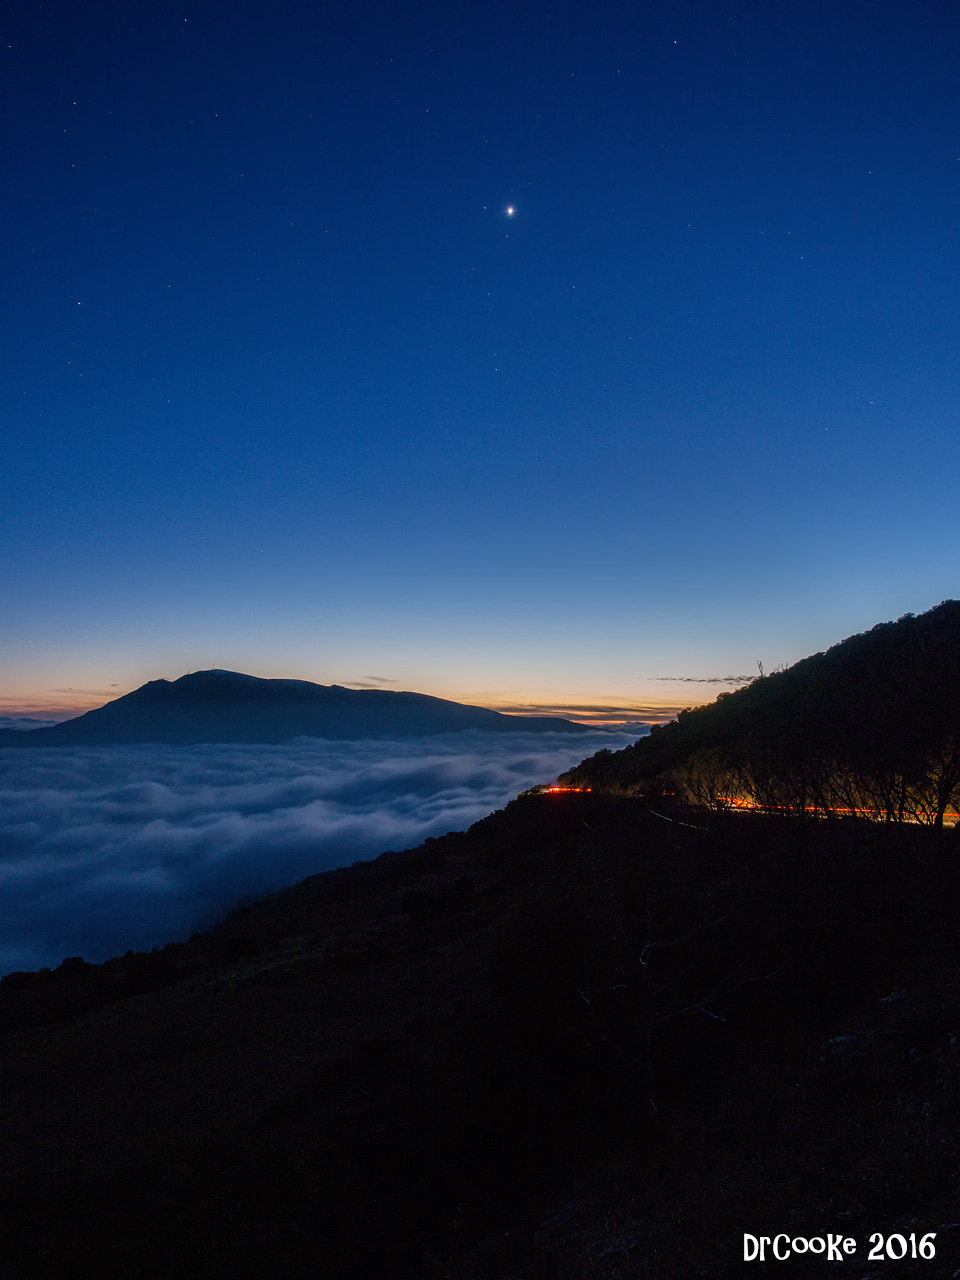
[(107, 848)]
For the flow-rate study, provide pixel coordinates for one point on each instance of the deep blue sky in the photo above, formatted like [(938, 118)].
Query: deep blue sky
[(285, 389)]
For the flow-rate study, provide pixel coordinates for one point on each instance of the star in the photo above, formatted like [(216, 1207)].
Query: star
[(510, 211)]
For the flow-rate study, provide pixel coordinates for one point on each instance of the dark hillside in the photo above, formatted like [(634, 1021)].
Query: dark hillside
[(871, 726), (576, 1041)]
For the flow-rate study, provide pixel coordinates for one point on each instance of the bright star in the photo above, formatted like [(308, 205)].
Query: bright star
[(510, 211)]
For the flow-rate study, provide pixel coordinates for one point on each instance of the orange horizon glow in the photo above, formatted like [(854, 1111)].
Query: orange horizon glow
[(55, 705), (602, 713), (597, 712)]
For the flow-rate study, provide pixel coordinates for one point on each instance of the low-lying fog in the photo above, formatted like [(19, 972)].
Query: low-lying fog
[(102, 849)]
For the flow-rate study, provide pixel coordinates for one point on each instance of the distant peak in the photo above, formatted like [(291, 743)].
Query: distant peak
[(207, 674)]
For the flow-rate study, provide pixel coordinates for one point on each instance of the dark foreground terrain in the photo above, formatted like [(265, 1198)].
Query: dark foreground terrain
[(582, 1039)]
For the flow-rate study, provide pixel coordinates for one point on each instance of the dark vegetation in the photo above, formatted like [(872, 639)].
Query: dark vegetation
[(871, 726), (593, 1036)]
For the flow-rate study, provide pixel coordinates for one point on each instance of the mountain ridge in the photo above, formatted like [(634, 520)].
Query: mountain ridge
[(229, 706)]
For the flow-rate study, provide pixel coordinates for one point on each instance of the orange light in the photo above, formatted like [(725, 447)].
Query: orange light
[(737, 802)]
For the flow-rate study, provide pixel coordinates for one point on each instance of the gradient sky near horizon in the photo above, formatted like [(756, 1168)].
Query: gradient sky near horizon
[(530, 354)]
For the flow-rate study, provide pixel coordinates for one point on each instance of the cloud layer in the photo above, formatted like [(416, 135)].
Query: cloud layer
[(102, 849)]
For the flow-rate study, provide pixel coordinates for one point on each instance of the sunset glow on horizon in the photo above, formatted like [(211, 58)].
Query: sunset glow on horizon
[(347, 366), (66, 702)]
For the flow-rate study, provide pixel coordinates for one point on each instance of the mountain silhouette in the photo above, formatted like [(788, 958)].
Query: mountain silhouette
[(603, 1033), (226, 706)]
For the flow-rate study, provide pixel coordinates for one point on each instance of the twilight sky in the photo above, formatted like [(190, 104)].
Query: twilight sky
[(286, 389)]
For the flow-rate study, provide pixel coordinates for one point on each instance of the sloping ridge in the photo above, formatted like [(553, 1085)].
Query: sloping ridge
[(871, 725), (227, 706)]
